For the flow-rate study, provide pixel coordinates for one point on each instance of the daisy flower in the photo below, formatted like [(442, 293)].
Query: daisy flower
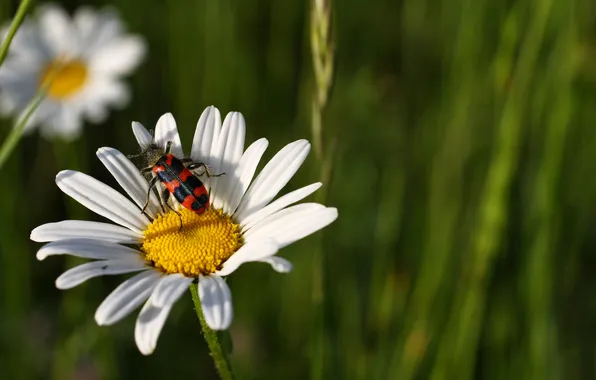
[(243, 224), (80, 59)]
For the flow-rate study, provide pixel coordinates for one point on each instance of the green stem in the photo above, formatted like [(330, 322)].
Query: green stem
[(317, 130), (219, 356), (13, 138), (322, 49), (455, 357), (12, 30)]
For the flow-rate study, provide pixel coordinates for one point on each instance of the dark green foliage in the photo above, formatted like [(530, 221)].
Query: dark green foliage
[(463, 174)]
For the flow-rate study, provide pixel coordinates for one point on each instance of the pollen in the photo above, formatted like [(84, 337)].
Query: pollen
[(201, 246), (65, 78)]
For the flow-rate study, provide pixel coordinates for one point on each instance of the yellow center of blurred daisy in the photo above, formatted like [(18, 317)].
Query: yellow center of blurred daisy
[(203, 244), (65, 78)]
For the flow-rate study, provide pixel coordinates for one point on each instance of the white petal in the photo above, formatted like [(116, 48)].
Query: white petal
[(165, 131), (95, 111), (229, 151), (69, 229), (156, 310), (87, 248), (278, 204), (39, 120), (28, 42), (118, 57), (57, 30), (97, 28), (85, 21), (253, 251), (18, 87), (126, 297), (43, 116), (17, 73), (101, 199), (279, 264), (149, 324), (169, 289), (240, 179), (272, 219), (106, 91), (129, 177), (66, 123), (206, 135), (274, 176), (142, 135), (292, 224), (84, 272), (216, 302)]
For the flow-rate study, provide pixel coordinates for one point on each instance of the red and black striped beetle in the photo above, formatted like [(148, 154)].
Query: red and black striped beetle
[(178, 180)]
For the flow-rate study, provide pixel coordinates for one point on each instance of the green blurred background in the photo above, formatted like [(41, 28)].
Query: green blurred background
[(464, 136)]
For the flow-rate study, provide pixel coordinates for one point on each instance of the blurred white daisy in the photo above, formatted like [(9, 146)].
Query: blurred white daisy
[(242, 225), (82, 59)]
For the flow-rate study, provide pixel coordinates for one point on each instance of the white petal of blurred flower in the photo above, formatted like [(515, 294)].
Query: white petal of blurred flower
[(82, 58), (243, 224)]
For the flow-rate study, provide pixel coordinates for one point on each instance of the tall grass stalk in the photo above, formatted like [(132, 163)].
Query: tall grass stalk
[(541, 221), (15, 134), (13, 138), (460, 343), (322, 51), (12, 29), (424, 315)]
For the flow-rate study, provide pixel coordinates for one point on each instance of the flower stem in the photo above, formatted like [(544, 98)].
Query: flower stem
[(14, 136), (219, 356), (14, 26)]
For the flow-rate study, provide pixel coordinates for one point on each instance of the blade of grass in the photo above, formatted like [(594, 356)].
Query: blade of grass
[(12, 29), (445, 199), (542, 217), (458, 347)]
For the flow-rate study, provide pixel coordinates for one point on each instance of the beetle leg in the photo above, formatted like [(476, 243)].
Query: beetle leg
[(165, 196), (194, 165), (151, 186), (161, 201), (168, 147), (201, 165), (135, 155)]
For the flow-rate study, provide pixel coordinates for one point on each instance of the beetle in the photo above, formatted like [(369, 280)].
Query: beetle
[(178, 178)]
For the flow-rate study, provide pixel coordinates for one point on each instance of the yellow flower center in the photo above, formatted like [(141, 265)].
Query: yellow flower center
[(65, 78), (203, 244)]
